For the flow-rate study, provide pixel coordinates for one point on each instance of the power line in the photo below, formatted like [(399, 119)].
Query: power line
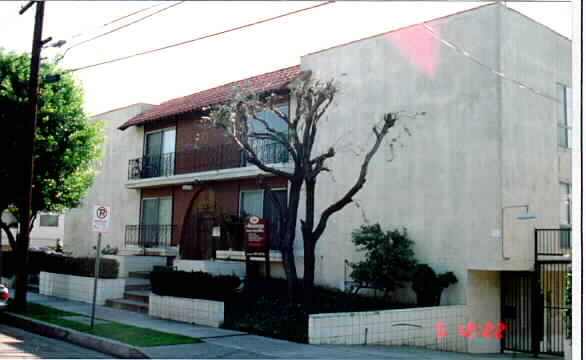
[(202, 37), (123, 26), (116, 20), (466, 54)]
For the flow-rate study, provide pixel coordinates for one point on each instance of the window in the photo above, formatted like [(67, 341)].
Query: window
[(270, 151), (261, 203), (155, 224), (565, 204), (159, 153), (565, 214), (565, 117), (49, 220), (251, 203)]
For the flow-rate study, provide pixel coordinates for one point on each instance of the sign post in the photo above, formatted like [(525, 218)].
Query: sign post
[(255, 235), (100, 223)]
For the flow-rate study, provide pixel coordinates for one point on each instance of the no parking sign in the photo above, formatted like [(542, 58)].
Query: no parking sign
[(101, 218)]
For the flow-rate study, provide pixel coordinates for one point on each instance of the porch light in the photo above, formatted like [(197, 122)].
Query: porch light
[(187, 187), (522, 216)]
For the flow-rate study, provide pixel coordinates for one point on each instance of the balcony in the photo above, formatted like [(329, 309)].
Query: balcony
[(217, 157), (149, 236), (553, 243)]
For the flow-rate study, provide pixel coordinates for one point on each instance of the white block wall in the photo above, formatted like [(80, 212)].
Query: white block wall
[(136, 263), (413, 327), (212, 267), (193, 311), (80, 288)]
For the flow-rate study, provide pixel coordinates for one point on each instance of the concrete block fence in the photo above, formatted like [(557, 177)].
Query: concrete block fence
[(80, 288), (412, 327), (193, 311)]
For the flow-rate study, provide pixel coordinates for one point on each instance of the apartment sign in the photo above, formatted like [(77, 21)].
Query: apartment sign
[(101, 219), (255, 233)]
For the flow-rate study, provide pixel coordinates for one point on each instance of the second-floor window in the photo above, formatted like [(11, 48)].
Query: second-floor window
[(565, 117), (268, 150), (159, 153)]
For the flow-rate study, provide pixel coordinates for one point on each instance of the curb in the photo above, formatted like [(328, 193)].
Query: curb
[(106, 346)]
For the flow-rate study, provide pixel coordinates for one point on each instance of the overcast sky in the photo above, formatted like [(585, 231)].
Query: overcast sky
[(186, 69)]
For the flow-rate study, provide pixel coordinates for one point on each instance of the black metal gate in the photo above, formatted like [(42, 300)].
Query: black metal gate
[(532, 303), (552, 280), (516, 309)]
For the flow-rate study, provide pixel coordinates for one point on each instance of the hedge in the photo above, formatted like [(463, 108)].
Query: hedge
[(80, 266), (194, 285), (59, 264)]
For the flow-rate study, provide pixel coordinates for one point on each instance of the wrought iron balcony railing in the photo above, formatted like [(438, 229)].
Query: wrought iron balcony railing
[(217, 157), (149, 236), (553, 242)]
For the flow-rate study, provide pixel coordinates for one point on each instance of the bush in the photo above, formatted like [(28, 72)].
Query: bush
[(428, 286), (389, 260), (194, 285), (79, 266), (263, 309), (568, 303), (36, 261)]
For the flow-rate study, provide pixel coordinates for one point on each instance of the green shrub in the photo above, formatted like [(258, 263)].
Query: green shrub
[(428, 286), (79, 266), (389, 261), (568, 303), (194, 285), (263, 309)]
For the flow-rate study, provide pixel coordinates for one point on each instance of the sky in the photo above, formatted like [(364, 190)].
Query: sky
[(201, 65)]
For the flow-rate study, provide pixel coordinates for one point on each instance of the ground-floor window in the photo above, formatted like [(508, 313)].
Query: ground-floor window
[(261, 203), (156, 220)]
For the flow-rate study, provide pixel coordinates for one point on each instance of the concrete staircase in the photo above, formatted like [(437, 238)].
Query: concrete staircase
[(136, 294)]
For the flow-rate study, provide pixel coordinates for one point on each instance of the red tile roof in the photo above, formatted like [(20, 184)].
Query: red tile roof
[(270, 81)]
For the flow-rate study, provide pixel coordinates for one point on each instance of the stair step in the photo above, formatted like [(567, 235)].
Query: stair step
[(127, 304), (138, 295), (139, 274), (137, 284)]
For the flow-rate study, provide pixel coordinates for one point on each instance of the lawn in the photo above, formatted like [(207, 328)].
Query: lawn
[(128, 334)]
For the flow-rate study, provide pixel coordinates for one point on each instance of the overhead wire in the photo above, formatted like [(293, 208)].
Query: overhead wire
[(201, 37), (500, 74), (122, 26), (82, 33)]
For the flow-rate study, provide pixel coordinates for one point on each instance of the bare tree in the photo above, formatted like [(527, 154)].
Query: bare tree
[(241, 121)]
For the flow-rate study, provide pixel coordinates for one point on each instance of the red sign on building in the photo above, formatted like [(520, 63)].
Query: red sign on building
[(255, 234)]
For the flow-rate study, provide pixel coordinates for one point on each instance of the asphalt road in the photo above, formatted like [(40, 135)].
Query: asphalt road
[(19, 344)]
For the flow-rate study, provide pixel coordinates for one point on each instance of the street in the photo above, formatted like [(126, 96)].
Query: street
[(19, 344)]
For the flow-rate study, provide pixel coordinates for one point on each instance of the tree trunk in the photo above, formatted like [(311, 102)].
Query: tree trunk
[(289, 239), (21, 272), (308, 245)]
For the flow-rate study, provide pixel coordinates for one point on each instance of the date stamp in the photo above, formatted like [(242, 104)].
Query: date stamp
[(472, 330)]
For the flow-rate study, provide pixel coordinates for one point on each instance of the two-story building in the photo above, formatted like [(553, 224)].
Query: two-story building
[(486, 166)]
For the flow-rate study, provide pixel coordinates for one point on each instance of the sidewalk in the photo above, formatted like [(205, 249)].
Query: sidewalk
[(229, 344)]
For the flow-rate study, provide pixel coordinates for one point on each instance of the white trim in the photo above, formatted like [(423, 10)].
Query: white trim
[(212, 175)]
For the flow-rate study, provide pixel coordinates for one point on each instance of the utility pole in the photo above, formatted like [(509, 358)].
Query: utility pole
[(28, 157)]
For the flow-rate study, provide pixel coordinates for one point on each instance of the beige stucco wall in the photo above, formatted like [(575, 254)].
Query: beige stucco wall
[(109, 185), (484, 143)]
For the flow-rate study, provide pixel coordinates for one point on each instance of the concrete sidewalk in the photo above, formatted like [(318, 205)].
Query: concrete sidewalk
[(229, 344)]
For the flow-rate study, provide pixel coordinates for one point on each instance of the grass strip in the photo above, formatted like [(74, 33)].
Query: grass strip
[(127, 334)]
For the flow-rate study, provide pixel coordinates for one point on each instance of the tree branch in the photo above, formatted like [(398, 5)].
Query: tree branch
[(389, 121), (9, 234)]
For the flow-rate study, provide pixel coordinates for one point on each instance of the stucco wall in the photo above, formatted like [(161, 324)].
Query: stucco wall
[(108, 186), (447, 182), (532, 163), (439, 183)]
